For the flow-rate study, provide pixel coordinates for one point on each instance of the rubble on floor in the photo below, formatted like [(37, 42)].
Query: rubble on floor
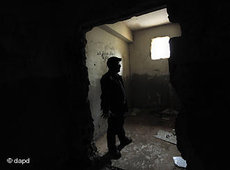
[(180, 162), (166, 136)]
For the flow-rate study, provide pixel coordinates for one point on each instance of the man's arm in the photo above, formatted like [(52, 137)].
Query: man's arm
[(125, 97)]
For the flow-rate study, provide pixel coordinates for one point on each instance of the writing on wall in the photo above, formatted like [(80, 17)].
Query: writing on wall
[(105, 54)]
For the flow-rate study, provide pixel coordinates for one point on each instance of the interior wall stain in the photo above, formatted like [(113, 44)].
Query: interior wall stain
[(153, 92)]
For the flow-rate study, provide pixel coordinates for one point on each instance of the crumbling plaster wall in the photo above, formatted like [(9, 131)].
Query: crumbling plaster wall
[(198, 68), (150, 78), (45, 113), (100, 46)]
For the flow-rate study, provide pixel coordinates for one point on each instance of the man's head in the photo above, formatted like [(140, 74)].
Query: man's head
[(113, 64)]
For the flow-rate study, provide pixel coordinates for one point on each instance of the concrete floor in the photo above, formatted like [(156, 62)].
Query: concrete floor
[(146, 152)]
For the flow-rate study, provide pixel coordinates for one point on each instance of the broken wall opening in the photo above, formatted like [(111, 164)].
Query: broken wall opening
[(147, 82)]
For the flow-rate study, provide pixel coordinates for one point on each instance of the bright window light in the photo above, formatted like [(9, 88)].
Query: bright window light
[(160, 48)]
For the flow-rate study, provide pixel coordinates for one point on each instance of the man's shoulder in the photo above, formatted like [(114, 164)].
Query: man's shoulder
[(105, 77), (119, 76)]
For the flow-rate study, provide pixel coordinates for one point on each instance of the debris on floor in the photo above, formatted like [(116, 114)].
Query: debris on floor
[(169, 112), (109, 167), (166, 136), (179, 161)]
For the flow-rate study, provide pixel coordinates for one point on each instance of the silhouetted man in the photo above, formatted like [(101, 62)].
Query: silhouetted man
[(114, 106)]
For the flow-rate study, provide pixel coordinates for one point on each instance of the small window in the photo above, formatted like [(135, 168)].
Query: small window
[(160, 48)]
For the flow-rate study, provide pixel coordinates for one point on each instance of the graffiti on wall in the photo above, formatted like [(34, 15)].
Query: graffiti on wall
[(105, 55)]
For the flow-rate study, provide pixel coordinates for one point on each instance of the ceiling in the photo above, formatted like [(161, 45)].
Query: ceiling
[(152, 19)]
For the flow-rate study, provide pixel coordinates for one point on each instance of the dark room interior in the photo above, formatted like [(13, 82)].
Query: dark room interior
[(46, 119)]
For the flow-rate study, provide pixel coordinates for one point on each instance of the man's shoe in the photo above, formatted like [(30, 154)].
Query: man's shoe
[(124, 143), (115, 154)]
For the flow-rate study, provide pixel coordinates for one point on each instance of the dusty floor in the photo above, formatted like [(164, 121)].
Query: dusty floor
[(146, 152)]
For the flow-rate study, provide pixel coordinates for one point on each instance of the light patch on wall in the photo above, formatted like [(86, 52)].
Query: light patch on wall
[(121, 71), (160, 48)]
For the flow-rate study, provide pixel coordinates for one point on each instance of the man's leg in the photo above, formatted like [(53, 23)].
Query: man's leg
[(121, 134), (120, 129), (111, 139)]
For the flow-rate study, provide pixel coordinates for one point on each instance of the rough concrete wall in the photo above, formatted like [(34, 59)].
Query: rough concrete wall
[(100, 46), (45, 114), (198, 70), (150, 78)]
